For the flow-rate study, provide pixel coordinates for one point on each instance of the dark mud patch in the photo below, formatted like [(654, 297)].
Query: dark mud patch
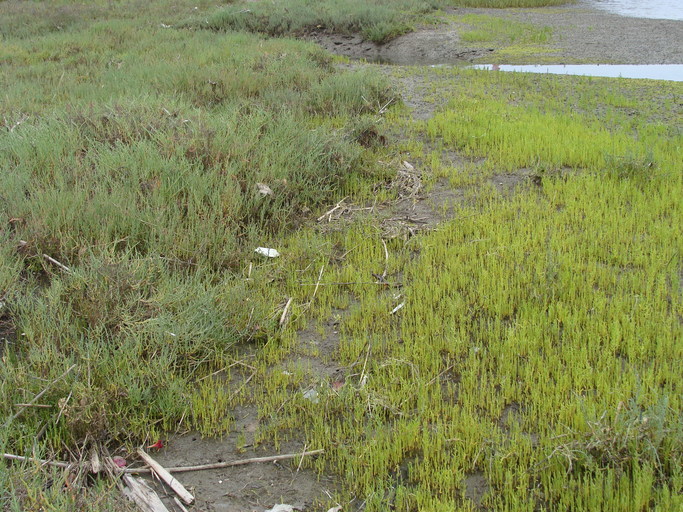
[(439, 202), (476, 487), (511, 414), (8, 333), (325, 341), (422, 48), (256, 486), (427, 209), (317, 350), (508, 183)]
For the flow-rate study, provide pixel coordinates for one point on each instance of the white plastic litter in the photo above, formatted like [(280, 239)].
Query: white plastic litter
[(268, 253), (264, 189), (282, 507)]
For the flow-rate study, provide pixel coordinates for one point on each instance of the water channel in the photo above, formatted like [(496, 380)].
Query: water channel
[(658, 9), (673, 72)]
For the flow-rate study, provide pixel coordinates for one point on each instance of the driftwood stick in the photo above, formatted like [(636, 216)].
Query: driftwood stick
[(220, 465), (143, 495), (37, 397), (179, 505), (162, 473), (345, 283), (397, 308)]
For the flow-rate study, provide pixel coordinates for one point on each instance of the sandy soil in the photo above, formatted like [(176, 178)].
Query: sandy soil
[(580, 34)]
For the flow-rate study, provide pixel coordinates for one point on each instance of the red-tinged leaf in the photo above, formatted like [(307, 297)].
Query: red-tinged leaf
[(119, 461), (157, 446)]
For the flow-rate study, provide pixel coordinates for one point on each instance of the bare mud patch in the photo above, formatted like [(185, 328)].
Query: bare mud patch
[(511, 414), (430, 208), (8, 333), (476, 487), (251, 487), (424, 47), (317, 351), (260, 486), (508, 183)]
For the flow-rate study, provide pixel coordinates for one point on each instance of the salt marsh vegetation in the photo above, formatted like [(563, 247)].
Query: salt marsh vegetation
[(522, 355)]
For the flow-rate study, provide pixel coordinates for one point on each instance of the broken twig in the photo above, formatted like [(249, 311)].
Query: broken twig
[(53, 463), (329, 213), (386, 261), (283, 318), (55, 262), (181, 469), (317, 284), (37, 397), (397, 308), (179, 505)]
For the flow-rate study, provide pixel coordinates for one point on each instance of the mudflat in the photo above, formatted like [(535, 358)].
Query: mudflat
[(580, 34)]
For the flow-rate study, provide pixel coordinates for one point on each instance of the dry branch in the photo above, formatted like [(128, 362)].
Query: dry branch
[(162, 473), (317, 284), (347, 283), (180, 469), (179, 505), (397, 308), (220, 465), (386, 261), (329, 213)]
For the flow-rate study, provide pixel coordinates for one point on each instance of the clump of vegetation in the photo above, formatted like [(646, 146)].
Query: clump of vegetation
[(376, 20), (490, 28), (635, 437)]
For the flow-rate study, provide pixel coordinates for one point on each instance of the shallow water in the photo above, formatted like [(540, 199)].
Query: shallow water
[(672, 72), (659, 9)]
